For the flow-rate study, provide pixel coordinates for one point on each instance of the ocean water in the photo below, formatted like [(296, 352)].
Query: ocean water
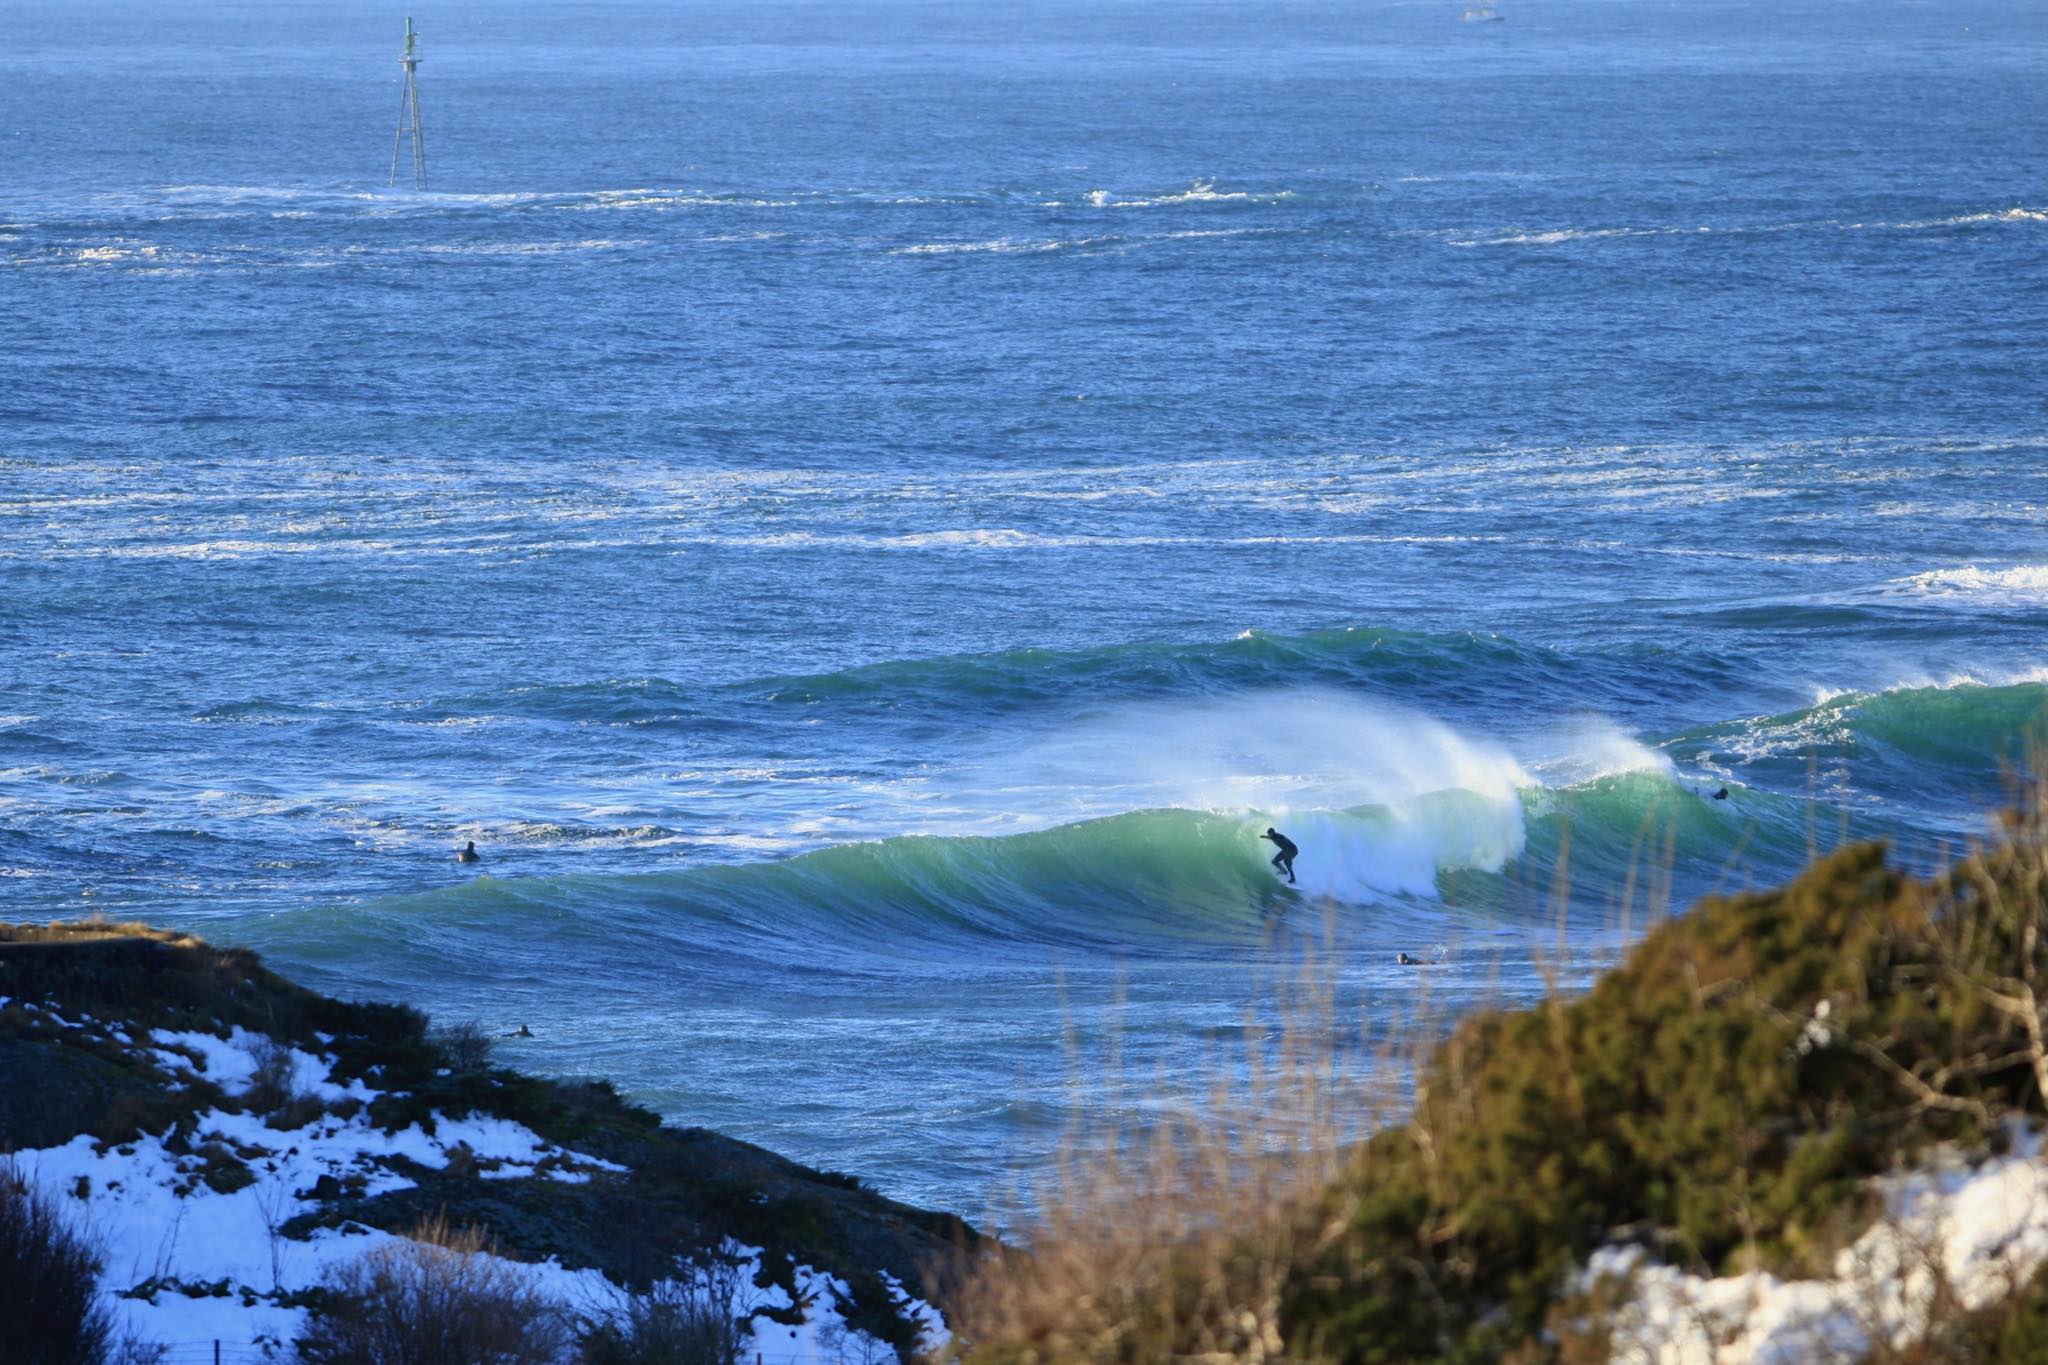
[(863, 511)]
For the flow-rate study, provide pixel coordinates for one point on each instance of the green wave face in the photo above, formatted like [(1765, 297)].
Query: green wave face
[(1932, 749), (1137, 881), (1143, 879)]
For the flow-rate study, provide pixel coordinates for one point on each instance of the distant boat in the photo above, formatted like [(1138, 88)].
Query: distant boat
[(1480, 14)]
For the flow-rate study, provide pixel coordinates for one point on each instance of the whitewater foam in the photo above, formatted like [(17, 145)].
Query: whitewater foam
[(1401, 849), (1592, 747), (1197, 192), (2020, 585)]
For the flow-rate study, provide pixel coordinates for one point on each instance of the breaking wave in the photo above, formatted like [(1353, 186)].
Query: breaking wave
[(1137, 824), (1128, 880), (1140, 827)]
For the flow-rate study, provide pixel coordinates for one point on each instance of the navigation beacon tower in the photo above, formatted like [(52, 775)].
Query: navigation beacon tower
[(409, 114)]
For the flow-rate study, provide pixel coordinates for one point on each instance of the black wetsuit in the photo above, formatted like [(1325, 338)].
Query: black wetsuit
[(1284, 859)]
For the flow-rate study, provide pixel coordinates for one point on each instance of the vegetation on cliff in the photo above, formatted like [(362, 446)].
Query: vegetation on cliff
[(229, 1078), (1720, 1101)]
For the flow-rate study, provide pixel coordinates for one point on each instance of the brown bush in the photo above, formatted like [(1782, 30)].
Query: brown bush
[(690, 1322), (50, 1309), (435, 1298), (270, 1087), (465, 1047)]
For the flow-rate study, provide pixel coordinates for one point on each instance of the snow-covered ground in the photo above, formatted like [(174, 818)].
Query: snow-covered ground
[(186, 1264), (1954, 1236)]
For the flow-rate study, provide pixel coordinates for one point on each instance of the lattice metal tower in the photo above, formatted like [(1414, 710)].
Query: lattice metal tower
[(409, 114)]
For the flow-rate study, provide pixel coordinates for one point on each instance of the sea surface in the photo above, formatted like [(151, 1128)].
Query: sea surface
[(864, 511)]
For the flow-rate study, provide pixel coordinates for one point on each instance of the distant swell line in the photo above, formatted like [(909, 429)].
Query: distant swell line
[(1560, 236), (1032, 246)]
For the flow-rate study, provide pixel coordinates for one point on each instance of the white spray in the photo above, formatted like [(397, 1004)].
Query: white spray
[(1380, 798)]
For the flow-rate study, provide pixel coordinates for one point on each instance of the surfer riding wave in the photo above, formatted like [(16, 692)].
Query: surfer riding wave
[(1284, 859)]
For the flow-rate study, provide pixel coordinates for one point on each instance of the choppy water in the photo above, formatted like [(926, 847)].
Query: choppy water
[(863, 512)]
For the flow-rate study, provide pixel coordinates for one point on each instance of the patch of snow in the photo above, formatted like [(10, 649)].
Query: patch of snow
[(1816, 1033), (929, 1319), (822, 1338), (491, 1139), (232, 1063), (1976, 1234)]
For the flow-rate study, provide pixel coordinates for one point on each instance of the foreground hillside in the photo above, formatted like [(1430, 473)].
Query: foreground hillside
[(1796, 1125), (230, 1144)]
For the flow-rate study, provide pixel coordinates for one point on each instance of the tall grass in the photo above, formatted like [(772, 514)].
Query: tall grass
[(1178, 1241)]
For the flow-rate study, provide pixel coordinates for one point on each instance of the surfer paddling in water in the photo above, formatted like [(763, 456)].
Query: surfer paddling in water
[(1284, 859)]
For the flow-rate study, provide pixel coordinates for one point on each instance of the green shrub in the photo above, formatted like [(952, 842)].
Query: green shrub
[(2022, 1337), (1725, 1091)]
